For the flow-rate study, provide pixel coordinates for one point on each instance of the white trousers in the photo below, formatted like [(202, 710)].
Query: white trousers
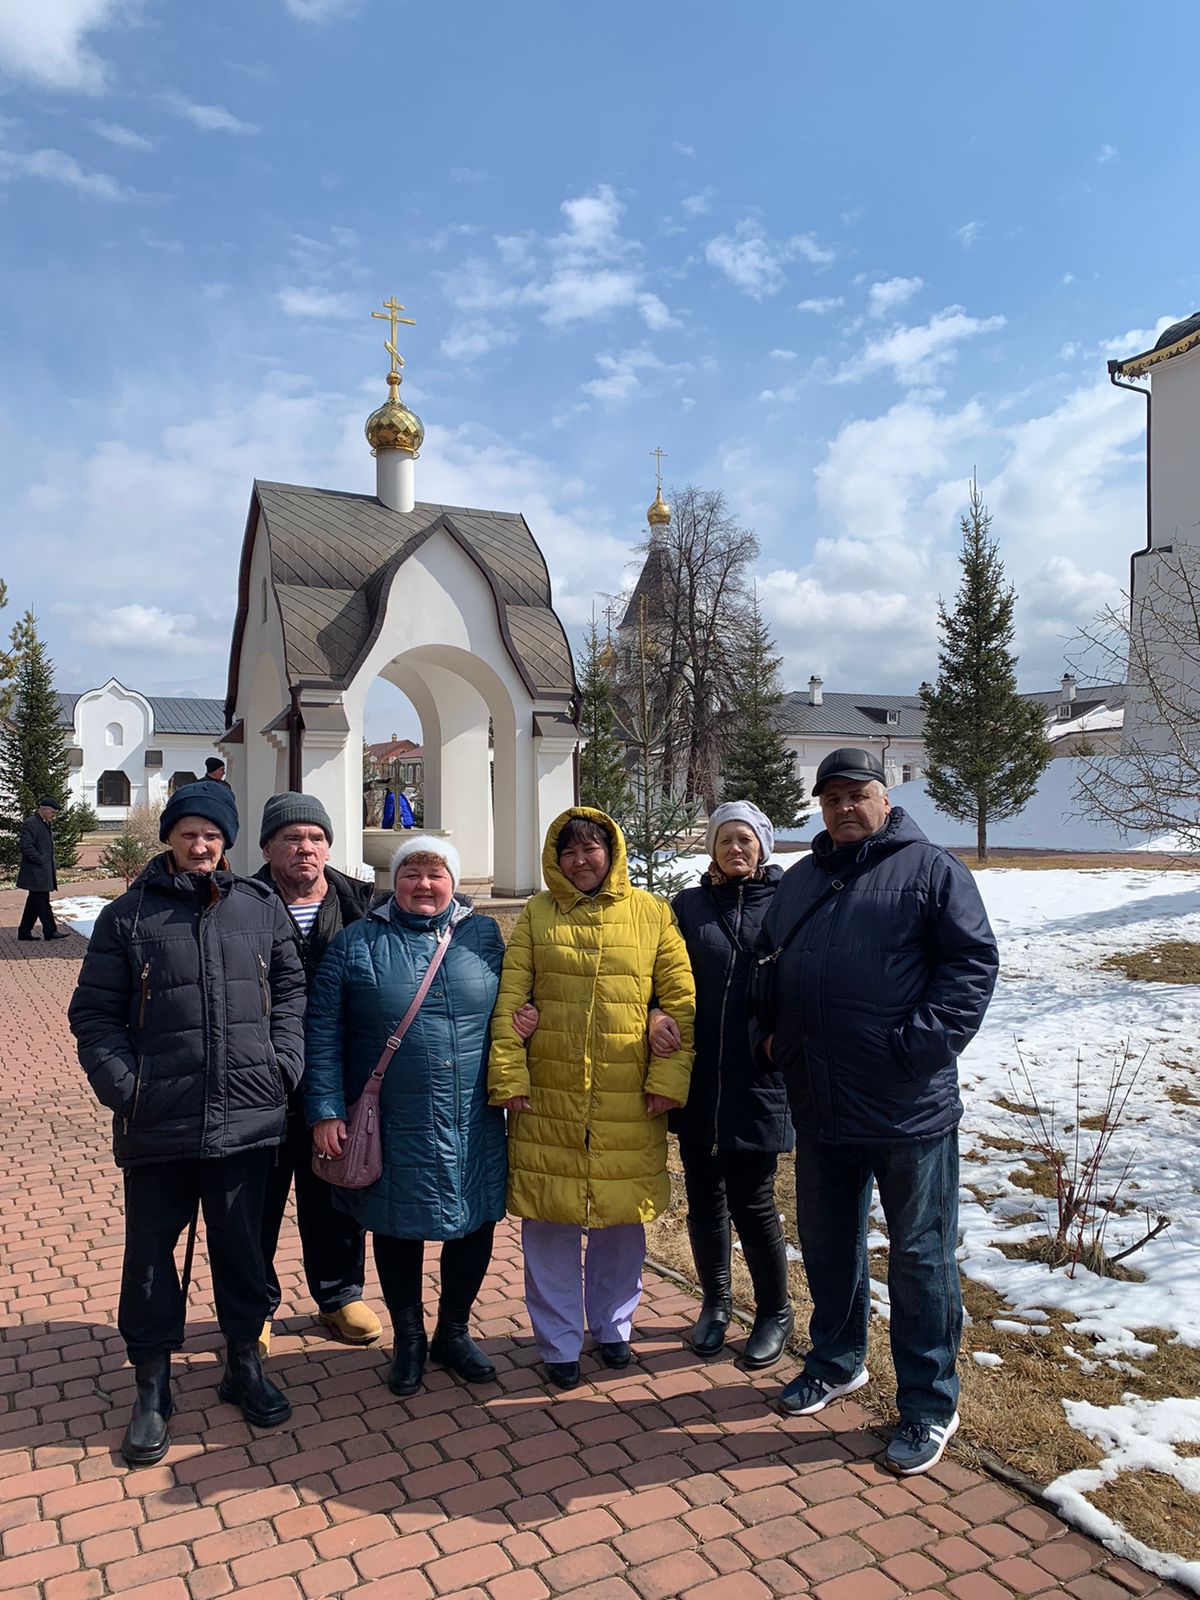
[(562, 1284)]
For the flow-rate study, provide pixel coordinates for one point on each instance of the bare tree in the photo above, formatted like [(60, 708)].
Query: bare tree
[(1152, 785), (696, 610)]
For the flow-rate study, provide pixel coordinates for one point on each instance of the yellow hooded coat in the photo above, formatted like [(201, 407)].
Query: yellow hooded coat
[(586, 1152)]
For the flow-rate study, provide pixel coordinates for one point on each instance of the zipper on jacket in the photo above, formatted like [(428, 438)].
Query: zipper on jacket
[(266, 987), (729, 971), (127, 1120), (145, 996)]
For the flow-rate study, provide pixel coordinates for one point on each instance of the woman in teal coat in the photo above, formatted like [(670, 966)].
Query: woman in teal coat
[(444, 1163)]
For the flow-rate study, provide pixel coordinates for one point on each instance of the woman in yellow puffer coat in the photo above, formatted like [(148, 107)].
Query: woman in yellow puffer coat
[(587, 1103)]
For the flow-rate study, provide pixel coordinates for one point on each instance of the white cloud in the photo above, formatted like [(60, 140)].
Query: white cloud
[(914, 355), (969, 234), (209, 119), (699, 205), (1067, 278), (474, 337), (1135, 340), (55, 166), (688, 150), (782, 355), (469, 175), (748, 259), (621, 379), (886, 297), (1107, 152), (124, 138), (297, 302), (821, 307), (655, 314), (142, 628), (321, 10), (805, 246), (45, 41)]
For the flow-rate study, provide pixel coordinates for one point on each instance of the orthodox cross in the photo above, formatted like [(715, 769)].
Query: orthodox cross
[(658, 454), (391, 313)]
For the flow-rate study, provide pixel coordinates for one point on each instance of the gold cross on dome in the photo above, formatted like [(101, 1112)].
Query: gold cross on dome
[(658, 455), (391, 313)]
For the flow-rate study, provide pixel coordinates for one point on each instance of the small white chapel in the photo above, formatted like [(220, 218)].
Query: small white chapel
[(451, 605)]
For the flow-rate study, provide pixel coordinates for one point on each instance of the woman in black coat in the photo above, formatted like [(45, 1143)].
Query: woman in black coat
[(189, 1022), (736, 1122)]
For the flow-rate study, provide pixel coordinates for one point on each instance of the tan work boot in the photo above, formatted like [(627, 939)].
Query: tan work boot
[(264, 1341), (353, 1324)]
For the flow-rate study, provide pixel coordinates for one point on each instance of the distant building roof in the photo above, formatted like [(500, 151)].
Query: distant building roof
[(650, 587), (172, 713), (862, 715), (396, 750), (1176, 340)]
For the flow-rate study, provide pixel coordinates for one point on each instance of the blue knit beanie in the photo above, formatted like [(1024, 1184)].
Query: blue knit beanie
[(212, 801)]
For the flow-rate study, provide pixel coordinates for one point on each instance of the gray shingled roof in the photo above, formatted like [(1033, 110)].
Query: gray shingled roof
[(172, 713), (334, 557), (850, 715)]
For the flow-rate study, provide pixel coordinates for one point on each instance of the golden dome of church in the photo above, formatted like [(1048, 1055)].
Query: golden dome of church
[(392, 426), (659, 514)]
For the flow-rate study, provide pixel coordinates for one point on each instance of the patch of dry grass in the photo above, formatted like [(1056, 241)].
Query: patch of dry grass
[(1175, 961), (1159, 1505), (1181, 1096)]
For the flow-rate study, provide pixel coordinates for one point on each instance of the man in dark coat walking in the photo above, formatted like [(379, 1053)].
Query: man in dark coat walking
[(295, 837), (885, 980), (37, 872)]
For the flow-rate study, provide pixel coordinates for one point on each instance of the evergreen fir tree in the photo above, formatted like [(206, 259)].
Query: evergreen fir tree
[(33, 748), (986, 748), (758, 764), (603, 778)]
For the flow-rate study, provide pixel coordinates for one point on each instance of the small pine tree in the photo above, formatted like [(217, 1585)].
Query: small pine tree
[(124, 857), (33, 747), (603, 776), (985, 747), (86, 817), (758, 764)]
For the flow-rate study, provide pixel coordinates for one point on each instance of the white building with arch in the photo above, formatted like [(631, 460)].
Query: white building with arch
[(452, 606)]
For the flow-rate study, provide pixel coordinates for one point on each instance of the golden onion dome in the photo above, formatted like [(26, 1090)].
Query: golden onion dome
[(393, 426), (659, 514)]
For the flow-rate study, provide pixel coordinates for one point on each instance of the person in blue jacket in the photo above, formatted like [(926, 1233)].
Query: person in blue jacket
[(884, 981), (444, 1160)]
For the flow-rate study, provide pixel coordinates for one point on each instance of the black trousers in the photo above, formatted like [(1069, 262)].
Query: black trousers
[(732, 1185), (37, 908), (400, 1263), (159, 1202), (332, 1243)]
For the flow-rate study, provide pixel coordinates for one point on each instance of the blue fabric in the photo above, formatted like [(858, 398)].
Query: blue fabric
[(444, 1165), (918, 1189), (735, 1101), (881, 989), (388, 820), (209, 799), (406, 811)]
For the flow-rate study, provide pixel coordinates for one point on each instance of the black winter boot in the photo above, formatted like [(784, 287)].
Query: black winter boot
[(454, 1347), (243, 1385), (146, 1438), (409, 1349), (773, 1316), (711, 1247)]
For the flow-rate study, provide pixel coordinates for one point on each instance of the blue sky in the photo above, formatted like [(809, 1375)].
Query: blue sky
[(830, 259)]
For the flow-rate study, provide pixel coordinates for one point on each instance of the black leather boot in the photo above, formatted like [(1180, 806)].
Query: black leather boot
[(409, 1349), (773, 1316), (454, 1347), (243, 1385), (146, 1438), (711, 1247)]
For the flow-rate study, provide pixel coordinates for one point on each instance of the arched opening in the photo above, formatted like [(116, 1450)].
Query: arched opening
[(112, 789), (179, 780), (114, 735), (393, 759)]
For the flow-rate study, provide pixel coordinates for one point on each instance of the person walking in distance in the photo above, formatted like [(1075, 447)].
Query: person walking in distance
[(37, 873), (295, 838), (884, 966)]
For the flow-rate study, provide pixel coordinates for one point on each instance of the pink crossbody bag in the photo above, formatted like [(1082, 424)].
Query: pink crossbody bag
[(361, 1161)]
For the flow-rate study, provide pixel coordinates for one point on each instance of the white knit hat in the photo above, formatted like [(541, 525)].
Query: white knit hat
[(428, 844), (743, 811)]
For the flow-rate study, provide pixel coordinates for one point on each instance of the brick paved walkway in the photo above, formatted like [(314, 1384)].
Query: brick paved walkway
[(672, 1479)]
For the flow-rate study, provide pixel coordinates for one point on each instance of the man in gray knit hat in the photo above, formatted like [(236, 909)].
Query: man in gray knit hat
[(296, 835)]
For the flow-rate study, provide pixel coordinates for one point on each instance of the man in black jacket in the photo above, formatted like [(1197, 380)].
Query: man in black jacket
[(296, 836), (885, 972), (189, 1021), (37, 872)]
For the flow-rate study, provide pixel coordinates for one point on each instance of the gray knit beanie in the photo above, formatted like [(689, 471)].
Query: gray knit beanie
[(282, 809), (743, 811)]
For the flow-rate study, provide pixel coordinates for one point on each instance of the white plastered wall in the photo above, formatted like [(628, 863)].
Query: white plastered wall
[(257, 767)]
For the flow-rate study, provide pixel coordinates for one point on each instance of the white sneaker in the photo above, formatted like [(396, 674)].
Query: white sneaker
[(806, 1394), (917, 1446)]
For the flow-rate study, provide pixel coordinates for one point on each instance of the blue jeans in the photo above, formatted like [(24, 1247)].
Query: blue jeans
[(918, 1189)]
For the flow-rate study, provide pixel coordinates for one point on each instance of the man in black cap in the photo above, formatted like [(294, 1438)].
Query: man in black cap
[(885, 965), (214, 771), (295, 837), (37, 872)]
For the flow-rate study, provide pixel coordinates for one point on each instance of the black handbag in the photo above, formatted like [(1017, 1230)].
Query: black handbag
[(762, 989)]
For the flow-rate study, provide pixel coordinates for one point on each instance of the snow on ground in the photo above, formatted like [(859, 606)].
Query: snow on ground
[(79, 912)]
